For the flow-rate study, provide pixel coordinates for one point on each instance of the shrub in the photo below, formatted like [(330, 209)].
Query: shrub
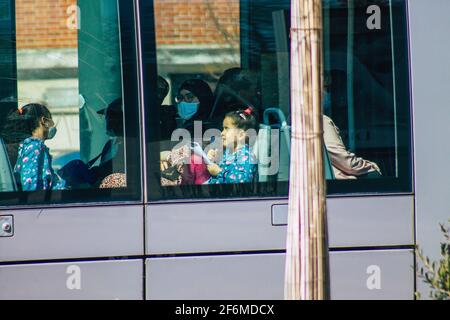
[(437, 274)]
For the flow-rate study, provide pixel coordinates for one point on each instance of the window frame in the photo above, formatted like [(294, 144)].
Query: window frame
[(130, 91), (404, 183), (7, 35), (156, 192), (266, 190)]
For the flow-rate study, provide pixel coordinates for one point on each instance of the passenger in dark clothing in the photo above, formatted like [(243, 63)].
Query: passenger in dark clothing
[(167, 113), (110, 160), (236, 88), (194, 102), (112, 156), (163, 90)]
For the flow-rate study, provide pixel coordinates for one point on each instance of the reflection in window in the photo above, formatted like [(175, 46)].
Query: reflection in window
[(360, 90), (65, 128), (224, 62), (227, 107)]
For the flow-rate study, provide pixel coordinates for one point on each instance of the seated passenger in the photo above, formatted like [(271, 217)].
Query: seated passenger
[(346, 165), (163, 90), (34, 162), (111, 159), (167, 112), (194, 101), (236, 87), (238, 164)]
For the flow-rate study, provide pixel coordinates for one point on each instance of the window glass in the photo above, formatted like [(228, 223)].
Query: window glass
[(68, 123), (220, 121), (366, 96), (223, 109)]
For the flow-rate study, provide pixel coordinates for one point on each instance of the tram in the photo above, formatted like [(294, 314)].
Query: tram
[(124, 81)]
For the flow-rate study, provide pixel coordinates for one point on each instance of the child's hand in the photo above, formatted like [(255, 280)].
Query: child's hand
[(212, 155), (164, 162), (214, 169), (164, 165)]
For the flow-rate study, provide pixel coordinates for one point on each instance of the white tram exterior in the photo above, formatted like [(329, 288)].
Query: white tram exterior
[(156, 234)]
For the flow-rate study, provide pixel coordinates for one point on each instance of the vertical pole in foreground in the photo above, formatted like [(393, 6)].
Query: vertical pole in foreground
[(307, 275)]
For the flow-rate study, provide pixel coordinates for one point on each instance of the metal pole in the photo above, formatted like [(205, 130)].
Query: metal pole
[(350, 82)]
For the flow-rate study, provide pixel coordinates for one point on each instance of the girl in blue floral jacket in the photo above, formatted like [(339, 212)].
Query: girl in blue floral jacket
[(238, 164), (34, 162)]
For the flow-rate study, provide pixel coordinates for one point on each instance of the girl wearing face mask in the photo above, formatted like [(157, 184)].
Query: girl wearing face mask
[(34, 163)]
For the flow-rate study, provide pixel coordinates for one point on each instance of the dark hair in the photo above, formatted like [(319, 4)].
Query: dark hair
[(21, 122), (229, 86), (114, 117), (238, 79), (244, 119), (204, 94), (163, 89)]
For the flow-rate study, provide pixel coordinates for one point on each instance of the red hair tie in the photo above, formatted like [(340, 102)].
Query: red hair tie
[(248, 111)]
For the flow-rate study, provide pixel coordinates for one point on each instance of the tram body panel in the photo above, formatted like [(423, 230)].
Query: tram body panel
[(212, 227), (73, 233), (76, 280), (353, 275), (260, 225), (216, 277), (372, 275), (372, 221)]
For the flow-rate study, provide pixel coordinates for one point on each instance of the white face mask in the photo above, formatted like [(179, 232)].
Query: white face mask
[(186, 110)]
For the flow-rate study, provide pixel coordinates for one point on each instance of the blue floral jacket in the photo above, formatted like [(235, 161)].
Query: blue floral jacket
[(34, 165), (237, 167)]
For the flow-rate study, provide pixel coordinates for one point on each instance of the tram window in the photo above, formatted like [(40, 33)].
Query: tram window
[(68, 124), (366, 96), (223, 74)]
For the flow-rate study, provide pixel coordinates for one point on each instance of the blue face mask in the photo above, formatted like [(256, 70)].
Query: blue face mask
[(186, 110), (327, 103), (51, 133)]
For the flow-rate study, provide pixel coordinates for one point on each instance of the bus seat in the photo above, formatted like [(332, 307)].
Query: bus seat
[(329, 174), (7, 178), (263, 152), (263, 146)]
